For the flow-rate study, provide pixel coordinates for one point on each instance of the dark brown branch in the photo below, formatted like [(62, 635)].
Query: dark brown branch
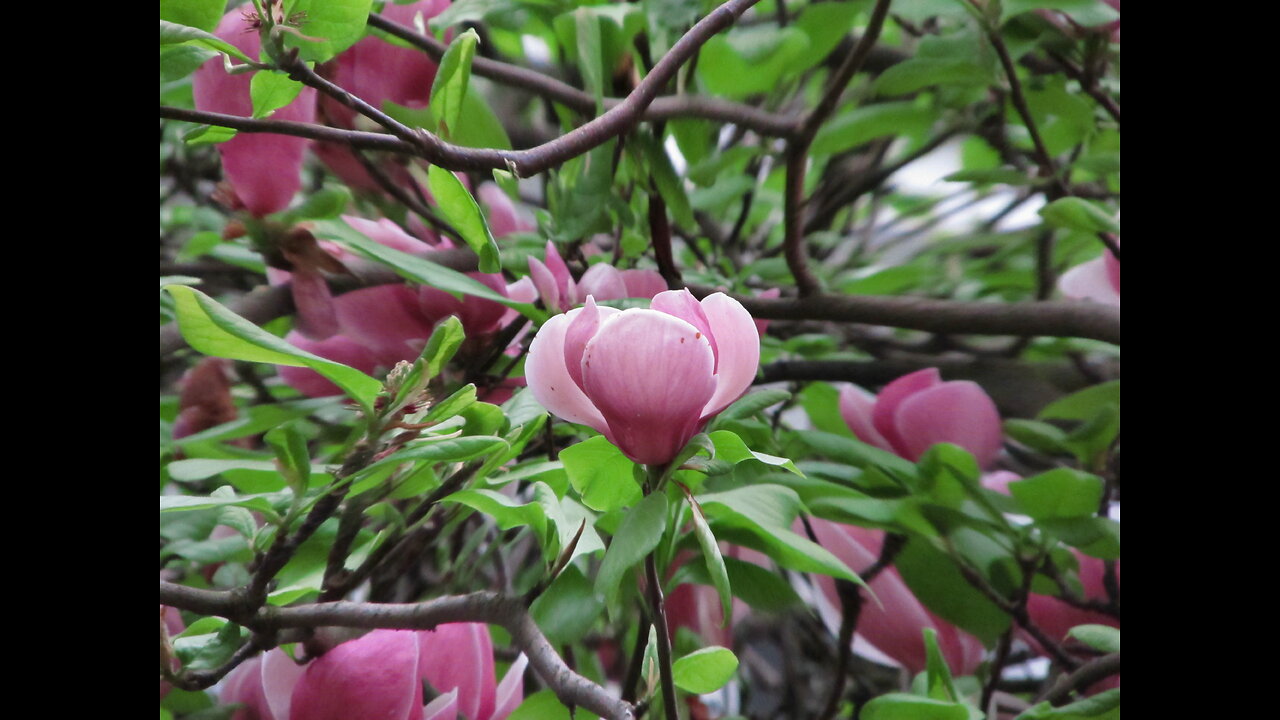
[(660, 234), (351, 138), (1088, 674), (662, 108), (798, 153), (486, 607), (1017, 611), (664, 640)]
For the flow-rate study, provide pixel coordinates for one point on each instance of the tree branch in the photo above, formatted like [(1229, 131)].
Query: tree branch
[(1088, 674), (486, 607)]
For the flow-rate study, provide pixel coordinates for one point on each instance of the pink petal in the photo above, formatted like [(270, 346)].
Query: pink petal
[(649, 374), (1055, 617), (263, 168), (504, 216), (737, 342), (243, 685), (960, 413), (697, 607), (444, 707), (387, 233), (761, 324), (523, 290), (279, 675), (603, 281), (511, 690), (643, 283), (386, 320), (999, 480), (1091, 281), (1113, 269), (317, 317), (891, 395), (856, 406), (370, 678), (338, 348), (460, 655), (582, 328), (560, 273), (549, 379), (545, 282)]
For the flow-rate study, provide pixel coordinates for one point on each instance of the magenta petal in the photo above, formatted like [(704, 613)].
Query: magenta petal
[(317, 317), (603, 281), (1113, 269), (643, 283), (338, 348), (372, 678), (511, 690), (243, 686), (280, 674), (737, 344), (856, 406), (549, 378), (560, 273), (891, 395), (263, 168), (387, 233), (649, 374), (460, 655), (386, 320), (953, 412)]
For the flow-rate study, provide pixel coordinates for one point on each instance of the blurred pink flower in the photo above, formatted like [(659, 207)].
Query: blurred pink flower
[(380, 677), (263, 169), (1056, 617), (918, 410), (205, 401), (603, 281), (649, 380), (896, 625), (1097, 280), (376, 71), (173, 625)]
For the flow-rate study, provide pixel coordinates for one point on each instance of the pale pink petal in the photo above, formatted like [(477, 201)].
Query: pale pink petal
[(460, 655), (682, 304), (582, 328), (891, 395), (1113, 269), (545, 282), (369, 678), (999, 480), (243, 685), (604, 282), (737, 343), (960, 413), (856, 406), (643, 283), (263, 168), (338, 348), (444, 707), (1091, 281), (386, 232), (504, 216), (511, 690), (549, 378), (317, 317), (523, 290), (280, 674), (650, 375), (560, 273)]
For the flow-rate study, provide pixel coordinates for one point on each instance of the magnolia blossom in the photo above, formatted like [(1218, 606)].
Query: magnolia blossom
[(603, 281), (1097, 280), (205, 401), (262, 168), (896, 624), (649, 380), (380, 676), (918, 410)]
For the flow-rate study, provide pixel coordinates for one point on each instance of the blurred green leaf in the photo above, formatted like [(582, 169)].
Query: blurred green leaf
[(704, 671)]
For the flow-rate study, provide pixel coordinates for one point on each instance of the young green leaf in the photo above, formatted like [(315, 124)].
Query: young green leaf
[(271, 91), (450, 86), (704, 671), (462, 212), (637, 536)]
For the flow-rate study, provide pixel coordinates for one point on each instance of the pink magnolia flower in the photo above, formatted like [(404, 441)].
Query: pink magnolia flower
[(173, 625), (1056, 617), (919, 410), (380, 677), (896, 625), (1097, 280), (264, 169), (504, 216), (649, 380), (205, 401), (376, 71), (559, 291)]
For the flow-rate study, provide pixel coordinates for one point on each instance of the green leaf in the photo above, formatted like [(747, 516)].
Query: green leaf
[(542, 705), (1039, 436), (478, 126), (1058, 493), (179, 61), (291, 452), (175, 34), (864, 124), (1079, 214), (602, 475), (704, 671), (940, 684), (747, 61), (731, 448), (214, 330), (200, 14), (462, 212), (856, 453), (637, 536), (1103, 706), (1084, 404), (753, 403), (413, 267), (900, 706), (1102, 638), (452, 79), (1087, 13), (443, 344), (668, 184), (567, 609), (460, 400), (922, 72), (508, 513), (208, 135), (715, 563), (336, 24), (590, 55), (271, 91), (456, 449), (935, 580), (323, 205)]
